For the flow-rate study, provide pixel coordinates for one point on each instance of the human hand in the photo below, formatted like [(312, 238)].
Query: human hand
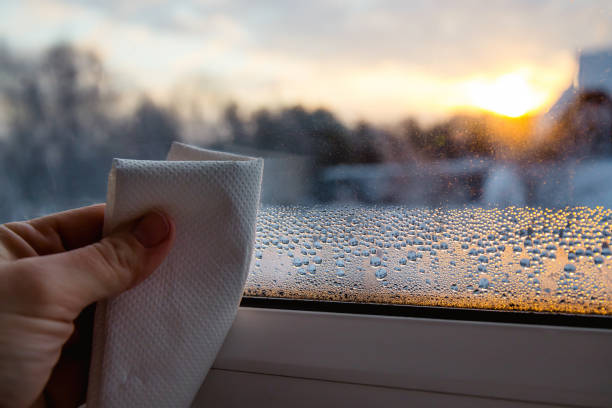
[(51, 269)]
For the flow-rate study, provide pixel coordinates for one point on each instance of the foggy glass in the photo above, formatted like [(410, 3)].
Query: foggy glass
[(509, 158)]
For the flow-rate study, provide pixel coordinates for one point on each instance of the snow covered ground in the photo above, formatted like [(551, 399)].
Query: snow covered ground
[(486, 183), (571, 183)]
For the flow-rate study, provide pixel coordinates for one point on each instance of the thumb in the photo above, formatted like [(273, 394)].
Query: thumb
[(77, 278)]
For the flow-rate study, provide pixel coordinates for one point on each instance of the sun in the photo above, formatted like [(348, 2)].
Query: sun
[(509, 95)]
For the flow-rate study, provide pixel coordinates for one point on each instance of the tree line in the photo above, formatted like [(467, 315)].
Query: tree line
[(62, 121)]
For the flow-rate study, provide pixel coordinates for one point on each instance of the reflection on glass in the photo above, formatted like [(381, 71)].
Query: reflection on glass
[(512, 259)]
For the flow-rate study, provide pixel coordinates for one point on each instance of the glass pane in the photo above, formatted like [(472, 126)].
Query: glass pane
[(432, 153), (509, 259)]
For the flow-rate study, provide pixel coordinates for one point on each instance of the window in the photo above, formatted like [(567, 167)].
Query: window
[(529, 259), (454, 155)]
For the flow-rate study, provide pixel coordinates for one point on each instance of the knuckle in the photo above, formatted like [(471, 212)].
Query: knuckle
[(7, 231), (120, 259), (5, 235), (12, 225)]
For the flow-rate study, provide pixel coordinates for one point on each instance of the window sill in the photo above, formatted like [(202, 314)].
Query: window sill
[(332, 356)]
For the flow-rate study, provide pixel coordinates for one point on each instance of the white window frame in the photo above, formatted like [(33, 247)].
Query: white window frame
[(279, 357)]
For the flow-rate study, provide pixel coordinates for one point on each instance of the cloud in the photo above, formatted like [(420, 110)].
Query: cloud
[(365, 58), (445, 36)]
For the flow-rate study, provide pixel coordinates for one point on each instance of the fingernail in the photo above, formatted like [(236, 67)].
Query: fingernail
[(152, 229)]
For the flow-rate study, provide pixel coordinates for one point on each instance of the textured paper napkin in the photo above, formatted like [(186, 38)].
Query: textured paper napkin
[(154, 344)]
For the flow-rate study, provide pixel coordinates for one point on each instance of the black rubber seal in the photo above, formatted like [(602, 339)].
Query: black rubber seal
[(432, 312)]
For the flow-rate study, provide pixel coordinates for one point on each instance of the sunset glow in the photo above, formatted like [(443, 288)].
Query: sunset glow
[(509, 95), (382, 62)]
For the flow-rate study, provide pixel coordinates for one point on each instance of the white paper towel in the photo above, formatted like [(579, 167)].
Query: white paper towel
[(154, 344)]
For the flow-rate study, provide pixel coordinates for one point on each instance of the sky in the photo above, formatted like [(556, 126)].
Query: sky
[(377, 60)]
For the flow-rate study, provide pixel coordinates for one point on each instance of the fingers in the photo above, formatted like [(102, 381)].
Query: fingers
[(76, 228), (52, 234), (70, 281), (67, 385)]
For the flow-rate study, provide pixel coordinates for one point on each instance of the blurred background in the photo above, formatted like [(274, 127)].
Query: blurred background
[(445, 103)]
